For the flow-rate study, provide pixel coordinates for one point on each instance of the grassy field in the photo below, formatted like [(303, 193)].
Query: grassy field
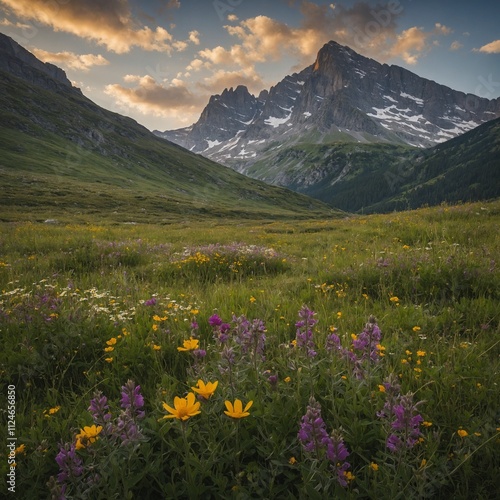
[(368, 345)]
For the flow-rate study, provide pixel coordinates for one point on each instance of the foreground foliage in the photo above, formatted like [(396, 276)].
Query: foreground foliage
[(353, 358)]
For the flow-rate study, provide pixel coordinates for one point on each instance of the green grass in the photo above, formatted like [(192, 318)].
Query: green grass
[(430, 277)]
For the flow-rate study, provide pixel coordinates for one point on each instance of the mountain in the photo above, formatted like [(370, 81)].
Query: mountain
[(343, 96), (379, 177), (64, 157)]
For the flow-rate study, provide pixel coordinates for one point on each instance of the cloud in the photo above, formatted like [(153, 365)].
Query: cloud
[(232, 17), (70, 60), (442, 29), (369, 29), (107, 23), (151, 98), (194, 37), (225, 79), (490, 48), (10, 24), (456, 45), (410, 44)]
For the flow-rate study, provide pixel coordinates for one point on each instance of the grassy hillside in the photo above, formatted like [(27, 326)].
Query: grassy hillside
[(63, 157), (275, 313), (369, 178), (346, 175)]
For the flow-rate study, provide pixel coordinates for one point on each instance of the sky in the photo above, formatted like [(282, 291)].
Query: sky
[(159, 61)]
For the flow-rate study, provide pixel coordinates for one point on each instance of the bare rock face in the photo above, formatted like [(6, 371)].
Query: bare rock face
[(342, 94), (22, 63)]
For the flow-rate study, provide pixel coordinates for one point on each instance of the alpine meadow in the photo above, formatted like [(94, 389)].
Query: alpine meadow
[(297, 296)]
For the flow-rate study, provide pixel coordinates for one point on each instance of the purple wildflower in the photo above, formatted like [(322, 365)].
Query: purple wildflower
[(132, 399), (199, 354), (404, 429), (99, 410), (304, 335), (127, 429), (150, 302), (70, 464), (333, 342), (250, 335), (316, 441), (215, 320)]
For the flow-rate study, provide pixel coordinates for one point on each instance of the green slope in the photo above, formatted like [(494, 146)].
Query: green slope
[(381, 177), (466, 168), (64, 157)]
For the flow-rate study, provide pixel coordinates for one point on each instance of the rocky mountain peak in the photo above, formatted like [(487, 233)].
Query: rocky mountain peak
[(22, 63), (343, 95)]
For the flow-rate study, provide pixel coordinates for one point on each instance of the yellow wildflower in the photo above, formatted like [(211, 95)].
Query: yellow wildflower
[(207, 390), (21, 449), (108, 360), (349, 476), (111, 341), (157, 347), (87, 435), (381, 388), (287, 380), (416, 328), (236, 410), (189, 345), (184, 408), (292, 461), (462, 433), (421, 353), (252, 299), (374, 466), (109, 349), (394, 299)]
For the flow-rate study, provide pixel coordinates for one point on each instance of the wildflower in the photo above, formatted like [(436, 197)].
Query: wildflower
[(304, 334), (273, 381), (184, 408), (109, 349), (394, 299), (70, 464), (332, 342), (207, 390), (316, 441), (189, 345), (111, 341), (21, 449), (416, 328), (251, 336), (155, 327), (349, 476), (426, 424), (405, 428), (381, 388), (462, 433), (252, 299), (150, 302), (108, 360), (215, 320), (132, 399), (156, 347), (237, 410), (99, 410), (87, 435), (374, 466), (421, 354), (51, 411), (287, 380), (292, 461)]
